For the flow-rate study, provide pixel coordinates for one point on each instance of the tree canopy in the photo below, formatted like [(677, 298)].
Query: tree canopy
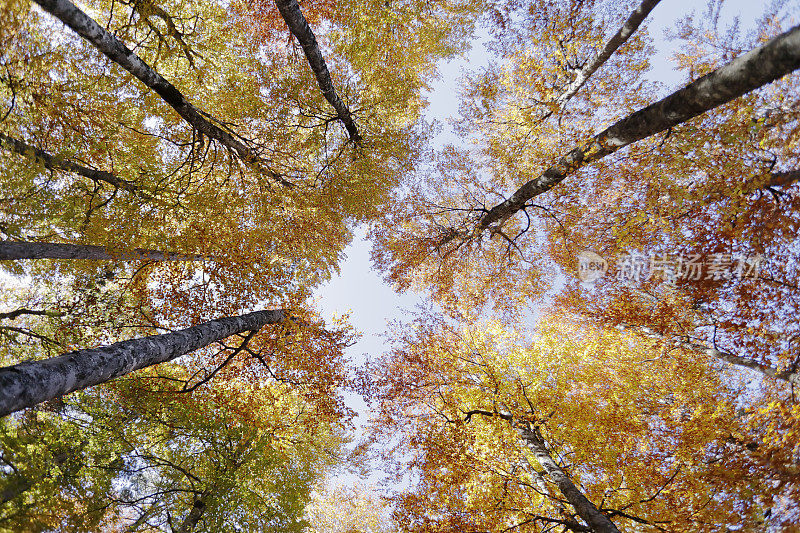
[(609, 265)]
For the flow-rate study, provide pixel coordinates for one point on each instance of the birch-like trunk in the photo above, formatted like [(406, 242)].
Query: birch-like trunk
[(621, 37), (596, 520), (116, 51), (533, 440), (748, 72), (29, 383), (290, 11), (10, 251), (55, 163)]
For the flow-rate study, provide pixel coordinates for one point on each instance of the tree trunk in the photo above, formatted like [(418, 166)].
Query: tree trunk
[(784, 179), (10, 251), (686, 342), (18, 487), (190, 522), (597, 521), (621, 37), (115, 50), (760, 66), (30, 383), (54, 163), (533, 440), (290, 11), (13, 315)]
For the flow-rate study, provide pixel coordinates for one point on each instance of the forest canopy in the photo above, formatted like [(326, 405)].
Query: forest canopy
[(607, 259)]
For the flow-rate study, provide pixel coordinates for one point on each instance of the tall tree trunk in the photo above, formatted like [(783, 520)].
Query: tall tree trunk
[(190, 522), (596, 520), (56, 163), (738, 360), (115, 50), (290, 11), (760, 66), (52, 250), (621, 37), (30, 383), (533, 440)]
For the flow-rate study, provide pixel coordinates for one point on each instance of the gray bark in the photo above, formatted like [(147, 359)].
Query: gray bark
[(767, 370), (533, 440), (55, 163), (116, 51), (748, 72), (29, 383), (290, 11), (190, 522), (621, 37), (596, 520), (10, 251), (690, 344)]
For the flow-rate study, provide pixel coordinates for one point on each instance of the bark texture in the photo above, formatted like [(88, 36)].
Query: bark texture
[(50, 250), (116, 51), (597, 521), (290, 11), (190, 522), (770, 371), (55, 163), (748, 72), (29, 383), (533, 440), (621, 37)]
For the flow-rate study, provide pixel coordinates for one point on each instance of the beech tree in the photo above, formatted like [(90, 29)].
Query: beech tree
[(549, 431), (115, 50), (121, 131), (139, 454), (27, 384), (453, 238), (167, 164), (290, 11)]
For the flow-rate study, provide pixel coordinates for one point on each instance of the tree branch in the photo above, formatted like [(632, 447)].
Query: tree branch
[(10, 251), (56, 163), (116, 51), (621, 37), (748, 72), (290, 11), (29, 383)]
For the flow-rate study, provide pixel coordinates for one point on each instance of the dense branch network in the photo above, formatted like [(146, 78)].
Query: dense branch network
[(115, 50), (290, 11), (776, 58)]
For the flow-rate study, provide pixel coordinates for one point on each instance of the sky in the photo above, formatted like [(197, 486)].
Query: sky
[(360, 289)]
